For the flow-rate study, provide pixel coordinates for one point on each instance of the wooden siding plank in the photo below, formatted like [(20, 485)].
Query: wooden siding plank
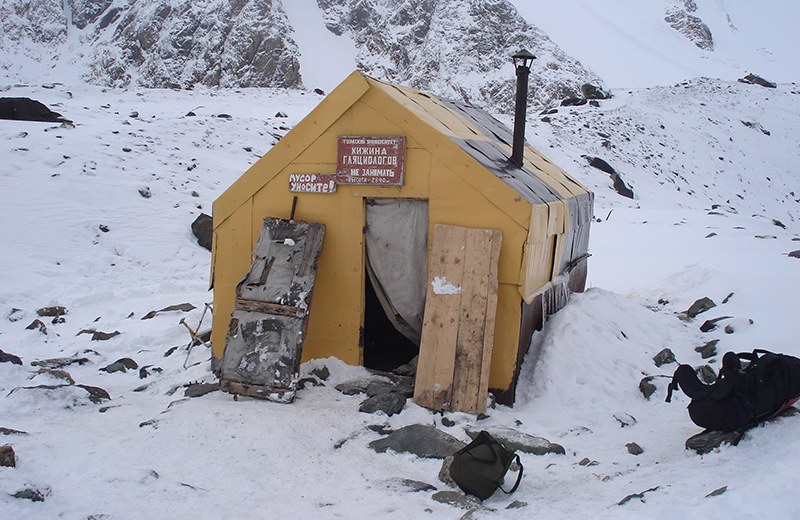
[(473, 326), (491, 318)]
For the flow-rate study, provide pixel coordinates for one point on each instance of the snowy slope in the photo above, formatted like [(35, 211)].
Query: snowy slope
[(628, 43)]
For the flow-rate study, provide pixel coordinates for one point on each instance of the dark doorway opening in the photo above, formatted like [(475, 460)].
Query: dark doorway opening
[(385, 348)]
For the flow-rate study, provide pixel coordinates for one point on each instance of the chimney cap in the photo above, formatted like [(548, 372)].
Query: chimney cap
[(523, 59)]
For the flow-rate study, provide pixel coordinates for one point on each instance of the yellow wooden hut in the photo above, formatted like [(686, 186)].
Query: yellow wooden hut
[(455, 170)]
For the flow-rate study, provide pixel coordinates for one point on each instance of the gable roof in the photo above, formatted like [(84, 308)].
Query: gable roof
[(473, 130)]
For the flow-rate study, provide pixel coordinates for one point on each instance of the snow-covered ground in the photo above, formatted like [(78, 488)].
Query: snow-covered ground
[(151, 452)]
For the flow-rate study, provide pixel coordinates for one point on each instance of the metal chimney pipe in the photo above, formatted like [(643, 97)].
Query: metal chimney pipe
[(522, 61)]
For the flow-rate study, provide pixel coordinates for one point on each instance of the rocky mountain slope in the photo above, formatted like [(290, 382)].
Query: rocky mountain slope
[(450, 47)]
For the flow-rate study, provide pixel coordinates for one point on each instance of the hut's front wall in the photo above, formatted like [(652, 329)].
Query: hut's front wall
[(435, 171)]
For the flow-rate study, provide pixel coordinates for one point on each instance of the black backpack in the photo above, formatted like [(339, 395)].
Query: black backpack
[(479, 467), (744, 395)]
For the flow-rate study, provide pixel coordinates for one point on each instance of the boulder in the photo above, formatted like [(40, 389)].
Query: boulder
[(753, 79), (419, 439), (203, 230), (26, 109), (591, 91)]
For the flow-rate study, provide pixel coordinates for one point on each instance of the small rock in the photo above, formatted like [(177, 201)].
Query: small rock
[(717, 492), (389, 403), (121, 365), (183, 307), (753, 79), (60, 362), (700, 306), (225, 116), (708, 441), (103, 336), (634, 449), (319, 91), (32, 494), (134, 114), (729, 329), (573, 102), (144, 372), (706, 374), (647, 387), (665, 357), (58, 374), (9, 431), (200, 389), (727, 298), (444, 472), (446, 421), (708, 350), (457, 499), (321, 373), (9, 358), (710, 325), (352, 387), (7, 457), (52, 311), (37, 324), (145, 192), (586, 461), (415, 486), (794, 254), (517, 504), (281, 114), (15, 314)]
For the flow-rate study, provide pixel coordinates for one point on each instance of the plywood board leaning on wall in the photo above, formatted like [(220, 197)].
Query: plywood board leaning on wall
[(270, 315), (460, 310)]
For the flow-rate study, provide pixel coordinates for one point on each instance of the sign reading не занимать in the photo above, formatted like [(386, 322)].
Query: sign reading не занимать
[(371, 160)]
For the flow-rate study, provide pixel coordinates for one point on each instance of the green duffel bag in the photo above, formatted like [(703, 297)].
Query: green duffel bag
[(479, 467)]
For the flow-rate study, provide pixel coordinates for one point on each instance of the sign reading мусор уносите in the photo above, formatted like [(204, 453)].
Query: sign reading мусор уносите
[(361, 160)]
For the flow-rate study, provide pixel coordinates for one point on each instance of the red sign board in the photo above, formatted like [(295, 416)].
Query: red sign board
[(312, 182), (371, 160)]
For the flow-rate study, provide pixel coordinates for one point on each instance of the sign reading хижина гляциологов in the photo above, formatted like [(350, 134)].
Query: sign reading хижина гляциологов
[(371, 160), (312, 183)]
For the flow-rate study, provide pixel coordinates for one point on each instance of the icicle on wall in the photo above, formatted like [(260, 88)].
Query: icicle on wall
[(555, 298)]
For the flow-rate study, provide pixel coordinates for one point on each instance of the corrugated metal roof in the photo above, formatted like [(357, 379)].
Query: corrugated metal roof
[(488, 141)]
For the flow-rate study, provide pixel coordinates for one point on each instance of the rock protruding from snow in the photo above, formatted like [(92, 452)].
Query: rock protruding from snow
[(689, 25), (419, 439)]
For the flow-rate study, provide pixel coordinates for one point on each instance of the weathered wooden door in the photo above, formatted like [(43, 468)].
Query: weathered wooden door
[(270, 315), (458, 330)]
